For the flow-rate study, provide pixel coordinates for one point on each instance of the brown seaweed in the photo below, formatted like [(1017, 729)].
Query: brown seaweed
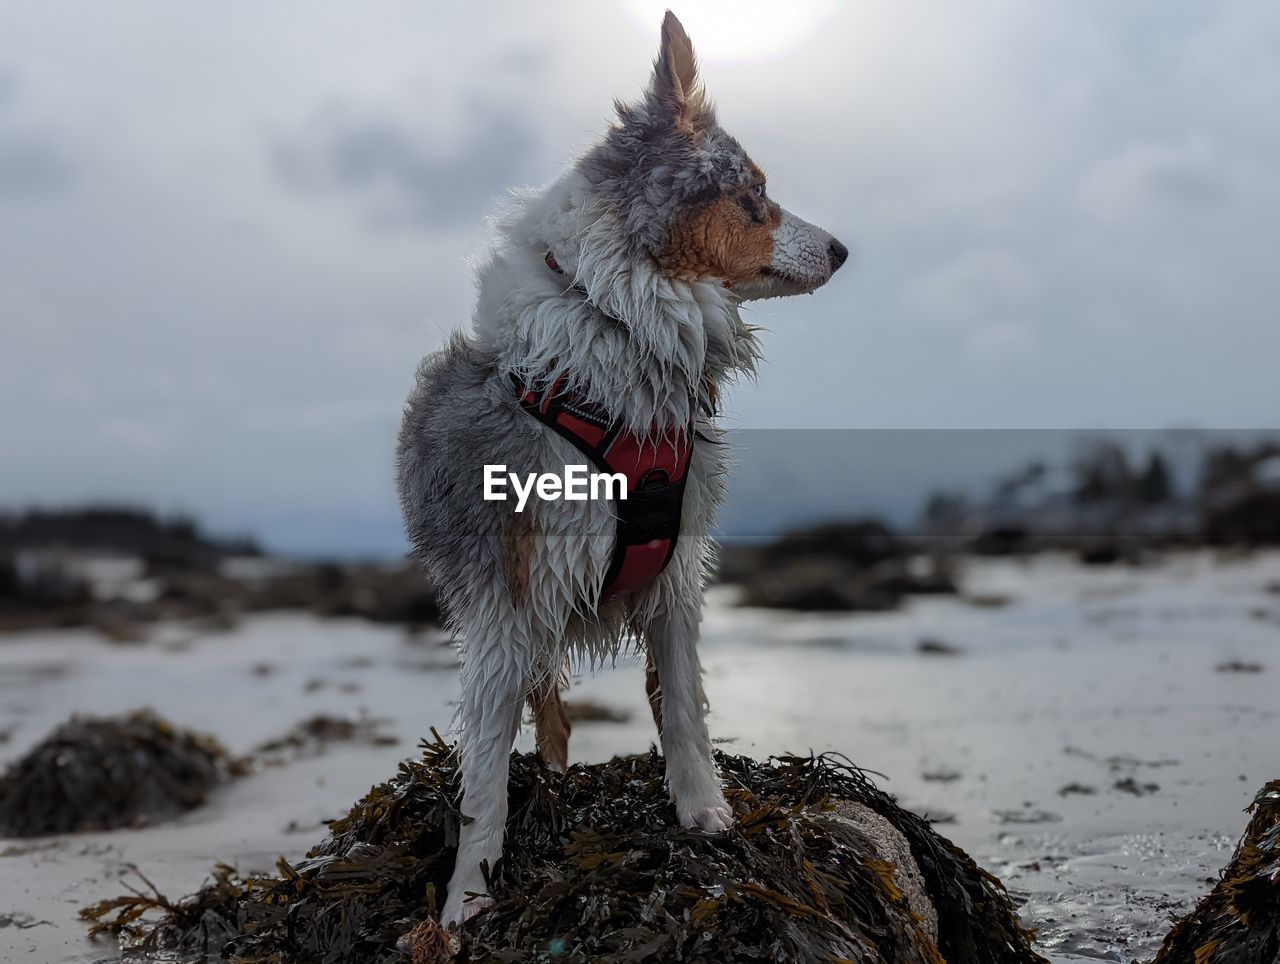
[(99, 773), (1239, 921), (594, 870), (319, 731)]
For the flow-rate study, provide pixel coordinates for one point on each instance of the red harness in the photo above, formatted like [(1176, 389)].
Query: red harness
[(655, 466)]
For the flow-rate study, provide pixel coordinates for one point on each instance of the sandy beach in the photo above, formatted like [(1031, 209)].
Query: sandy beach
[(1091, 735)]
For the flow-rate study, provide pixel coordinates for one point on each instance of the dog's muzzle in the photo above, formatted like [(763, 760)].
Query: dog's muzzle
[(804, 259)]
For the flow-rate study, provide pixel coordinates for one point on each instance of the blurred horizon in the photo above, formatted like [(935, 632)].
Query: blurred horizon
[(227, 238), (1080, 485)]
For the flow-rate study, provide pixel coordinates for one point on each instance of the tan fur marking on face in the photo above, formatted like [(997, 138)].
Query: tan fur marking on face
[(730, 239)]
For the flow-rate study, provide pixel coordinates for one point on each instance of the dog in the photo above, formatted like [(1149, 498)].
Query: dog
[(609, 312)]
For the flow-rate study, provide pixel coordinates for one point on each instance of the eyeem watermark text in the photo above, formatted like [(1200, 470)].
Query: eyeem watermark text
[(577, 484)]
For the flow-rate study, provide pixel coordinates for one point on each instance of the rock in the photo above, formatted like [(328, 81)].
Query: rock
[(1131, 785), (1252, 519), (211, 598), (589, 711), (892, 846), (915, 576), (990, 600), (117, 629), (835, 567), (1003, 540), (99, 773), (396, 593), (736, 562), (199, 595), (943, 775), (815, 586), (43, 594), (1103, 552), (317, 732), (1239, 921), (829, 585), (819, 865), (938, 647), (384, 594), (1080, 789), (861, 543)]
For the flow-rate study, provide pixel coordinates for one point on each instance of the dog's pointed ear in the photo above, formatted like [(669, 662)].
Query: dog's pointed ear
[(676, 90)]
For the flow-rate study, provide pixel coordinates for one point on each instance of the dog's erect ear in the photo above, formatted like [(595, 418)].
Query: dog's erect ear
[(676, 89), (676, 72)]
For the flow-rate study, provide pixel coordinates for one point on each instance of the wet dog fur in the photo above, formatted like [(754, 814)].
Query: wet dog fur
[(661, 230)]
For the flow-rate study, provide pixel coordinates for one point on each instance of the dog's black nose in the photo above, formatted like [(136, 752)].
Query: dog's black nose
[(838, 253)]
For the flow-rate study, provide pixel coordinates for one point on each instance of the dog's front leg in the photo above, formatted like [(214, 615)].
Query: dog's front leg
[(493, 685), (672, 637)]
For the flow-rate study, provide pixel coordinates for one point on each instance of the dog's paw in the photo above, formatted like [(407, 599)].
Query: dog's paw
[(713, 816), (458, 912)]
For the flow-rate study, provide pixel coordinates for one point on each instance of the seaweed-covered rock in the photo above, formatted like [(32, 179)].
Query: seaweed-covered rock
[(319, 731), (820, 865), (830, 585), (1253, 519), (834, 567), (858, 542), (51, 591), (1239, 922), (98, 773), (815, 586), (380, 593)]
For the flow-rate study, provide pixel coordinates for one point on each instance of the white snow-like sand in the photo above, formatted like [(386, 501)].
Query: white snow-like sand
[(1083, 744)]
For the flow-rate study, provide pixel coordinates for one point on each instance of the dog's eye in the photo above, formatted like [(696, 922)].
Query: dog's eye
[(758, 190)]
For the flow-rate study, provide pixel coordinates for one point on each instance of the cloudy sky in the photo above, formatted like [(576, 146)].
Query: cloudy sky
[(228, 232)]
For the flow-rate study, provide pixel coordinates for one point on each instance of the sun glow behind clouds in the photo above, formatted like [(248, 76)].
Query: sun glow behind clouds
[(737, 29)]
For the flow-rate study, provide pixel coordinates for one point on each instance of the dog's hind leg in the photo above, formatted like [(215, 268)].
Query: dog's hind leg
[(550, 721), (671, 633), (494, 684), (653, 690)]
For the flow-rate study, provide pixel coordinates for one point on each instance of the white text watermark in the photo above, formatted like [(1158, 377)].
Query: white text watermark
[(576, 484)]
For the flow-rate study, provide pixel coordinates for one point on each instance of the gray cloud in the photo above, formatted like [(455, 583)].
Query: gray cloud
[(30, 160), (1063, 216), (974, 284), (431, 179), (30, 164)]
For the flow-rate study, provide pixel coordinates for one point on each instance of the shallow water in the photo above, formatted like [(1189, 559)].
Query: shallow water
[(1098, 682)]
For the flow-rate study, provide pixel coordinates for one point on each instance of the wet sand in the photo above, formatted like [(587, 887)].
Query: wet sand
[(1091, 735)]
